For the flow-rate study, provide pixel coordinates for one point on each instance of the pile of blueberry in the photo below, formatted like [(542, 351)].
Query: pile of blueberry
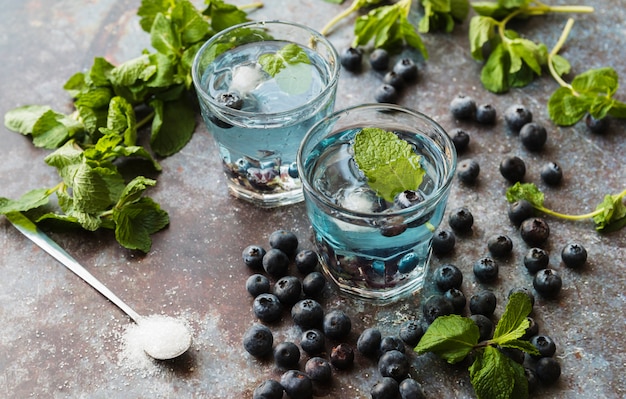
[(402, 73), (319, 327)]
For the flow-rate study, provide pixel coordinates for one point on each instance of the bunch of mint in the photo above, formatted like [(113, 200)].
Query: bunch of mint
[(104, 127), (493, 374)]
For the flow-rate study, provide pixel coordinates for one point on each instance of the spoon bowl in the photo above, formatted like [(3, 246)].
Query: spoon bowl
[(166, 337)]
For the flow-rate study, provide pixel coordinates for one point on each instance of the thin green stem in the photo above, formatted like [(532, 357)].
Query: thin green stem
[(569, 217), (555, 50), (256, 4), (145, 120)]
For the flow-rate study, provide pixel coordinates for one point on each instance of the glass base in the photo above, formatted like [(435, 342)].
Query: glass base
[(266, 200)]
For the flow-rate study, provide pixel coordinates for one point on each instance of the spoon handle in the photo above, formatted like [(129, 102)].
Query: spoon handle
[(30, 230)]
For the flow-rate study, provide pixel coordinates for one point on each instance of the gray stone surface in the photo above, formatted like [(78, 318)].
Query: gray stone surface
[(60, 339)]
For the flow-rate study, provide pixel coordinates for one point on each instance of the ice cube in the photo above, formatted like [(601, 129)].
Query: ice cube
[(247, 77), (360, 199)]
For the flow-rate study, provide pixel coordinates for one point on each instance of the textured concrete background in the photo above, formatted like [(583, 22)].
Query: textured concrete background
[(60, 339)]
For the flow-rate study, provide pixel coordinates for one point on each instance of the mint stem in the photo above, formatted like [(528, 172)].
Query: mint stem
[(555, 50), (344, 14), (256, 4), (145, 120)]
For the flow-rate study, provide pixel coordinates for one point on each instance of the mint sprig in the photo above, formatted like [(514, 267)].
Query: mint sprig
[(442, 15), (609, 215), (110, 104), (388, 162), (492, 374), (291, 67)]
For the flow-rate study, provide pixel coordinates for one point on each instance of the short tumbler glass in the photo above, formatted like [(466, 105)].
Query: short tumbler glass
[(261, 86), (370, 248)]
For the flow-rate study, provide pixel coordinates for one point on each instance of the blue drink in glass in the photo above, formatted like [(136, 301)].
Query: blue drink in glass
[(261, 87), (372, 248)]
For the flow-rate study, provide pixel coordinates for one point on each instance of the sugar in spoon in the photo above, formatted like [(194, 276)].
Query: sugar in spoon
[(166, 343)]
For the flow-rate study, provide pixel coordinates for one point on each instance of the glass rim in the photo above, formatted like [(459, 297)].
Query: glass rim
[(426, 204), (329, 86)]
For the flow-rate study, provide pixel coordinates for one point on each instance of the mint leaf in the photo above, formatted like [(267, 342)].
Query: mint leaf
[(30, 200), (53, 129), (566, 108), (23, 119), (451, 337), (513, 322), (172, 126), (481, 31), (388, 162), (495, 376), (291, 54), (224, 15), (495, 73), (612, 214), (525, 191)]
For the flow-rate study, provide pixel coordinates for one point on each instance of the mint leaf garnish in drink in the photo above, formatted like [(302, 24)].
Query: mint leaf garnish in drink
[(492, 374), (290, 66), (388, 162)]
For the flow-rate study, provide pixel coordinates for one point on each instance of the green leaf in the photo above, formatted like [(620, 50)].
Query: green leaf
[(561, 65), (53, 129), (494, 74), (148, 11), (66, 160), (23, 119), (164, 37), (30, 200), (598, 81), (513, 322), (526, 51), (290, 55), (451, 337), (134, 190), (565, 108), (388, 162), (189, 22), (525, 191), (172, 126), (495, 376), (132, 71), (95, 188), (224, 15), (613, 215), (522, 345), (100, 72), (121, 120)]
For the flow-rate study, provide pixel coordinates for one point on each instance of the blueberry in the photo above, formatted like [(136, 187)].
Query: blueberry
[(318, 369), (544, 344), (411, 331), (228, 99), (292, 171), (258, 340), (268, 389), (411, 389), (386, 388), (287, 355), (467, 171), (533, 136), (486, 114), (500, 245), (288, 290), (253, 256), (394, 364), (485, 326), (267, 308), (551, 174), (535, 231), (513, 168), (408, 198), (448, 276), (262, 179), (461, 220), (463, 107), (386, 93), (284, 240), (596, 126), (336, 324), (406, 68), (519, 211), (548, 370), (547, 283), (443, 242), (392, 226), (257, 284), (525, 291), (517, 116), (313, 342), (297, 384), (532, 330), (313, 284), (368, 342), (306, 261), (391, 343), (435, 306), (307, 313), (351, 59), (456, 298), (408, 262), (460, 139), (393, 79), (483, 302), (486, 270), (275, 262), (536, 259), (574, 255), (515, 354), (379, 59), (342, 356)]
